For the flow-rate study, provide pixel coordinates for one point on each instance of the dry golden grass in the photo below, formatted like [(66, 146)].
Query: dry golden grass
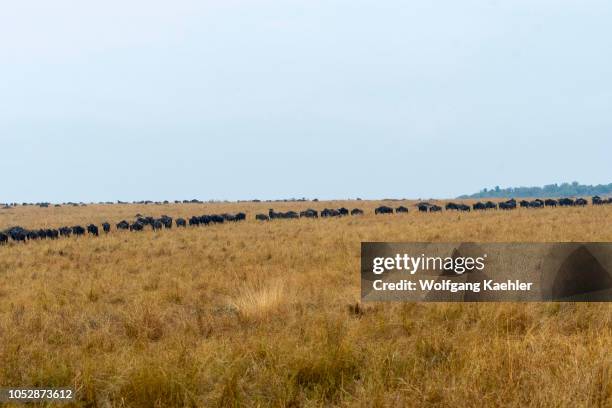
[(268, 314)]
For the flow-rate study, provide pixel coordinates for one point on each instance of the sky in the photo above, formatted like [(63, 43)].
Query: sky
[(245, 99)]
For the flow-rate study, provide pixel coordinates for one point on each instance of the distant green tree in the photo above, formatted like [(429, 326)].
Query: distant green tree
[(549, 190)]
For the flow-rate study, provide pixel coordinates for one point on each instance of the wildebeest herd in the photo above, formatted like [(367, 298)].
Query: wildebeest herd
[(19, 234)]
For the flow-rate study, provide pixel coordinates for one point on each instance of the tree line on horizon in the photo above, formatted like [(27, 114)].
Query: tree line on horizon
[(550, 190)]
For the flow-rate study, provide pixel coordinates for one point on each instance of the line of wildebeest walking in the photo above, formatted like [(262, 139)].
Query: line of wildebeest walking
[(19, 234)]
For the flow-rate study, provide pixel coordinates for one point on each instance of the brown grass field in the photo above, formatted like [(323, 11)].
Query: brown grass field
[(264, 314)]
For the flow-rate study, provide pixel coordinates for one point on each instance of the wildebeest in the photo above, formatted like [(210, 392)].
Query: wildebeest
[(401, 209), (31, 235), (566, 202), (343, 211), (581, 202), (309, 213), (123, 225), (157, 225), (78, 230), (452, 206), (508, 205), (524, 203), (549, 202), (106, 227), (137, 226), (596, 200), (3, 238), (536, 204), (435, 208), (262, 217), (491, 205), (52, 233), (65, 231), (17, 234), (92, 229), (228, 217), (330, 212), (233, 217), (166, 221), (287, 215), (215, 218), (423, 207), (194, 221), (180, 222), (479, 206), (356, 211), (383, 209)]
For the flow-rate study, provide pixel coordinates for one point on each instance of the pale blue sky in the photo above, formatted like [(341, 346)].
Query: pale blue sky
[(249, 99)]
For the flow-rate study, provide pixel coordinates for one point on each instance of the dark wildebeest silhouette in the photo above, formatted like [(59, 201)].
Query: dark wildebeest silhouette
[(52, 233), (423, 207), (479, 206), (262, 217), (106, 227), (93, 230), (3, 238), (566, 202), (330, 212), (78, 230), (452, 206), (356, 211), (435, 208), (287, 215), (216, 219), (581, 202), (123, 225), (536, 204), (137, 226), (508, 205), (180, 222), (65, 231), (194, 221), (490, 205), (157, 225), (463, 207), (383, 209), (234, 217), (343, 211), (166, 221), (401, 209), (549, 202), (596, 200), (524, 204), (309, 213), (18, 235)]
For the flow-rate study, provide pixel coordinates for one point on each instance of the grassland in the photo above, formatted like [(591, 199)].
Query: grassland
[(268, 314)]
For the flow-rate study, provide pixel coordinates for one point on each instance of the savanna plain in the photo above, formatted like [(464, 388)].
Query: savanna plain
[(269, 314)]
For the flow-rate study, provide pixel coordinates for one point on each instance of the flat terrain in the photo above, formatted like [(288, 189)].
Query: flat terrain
[(268, 314)]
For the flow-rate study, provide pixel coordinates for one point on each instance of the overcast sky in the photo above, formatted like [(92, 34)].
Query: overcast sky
[(249, 99)]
